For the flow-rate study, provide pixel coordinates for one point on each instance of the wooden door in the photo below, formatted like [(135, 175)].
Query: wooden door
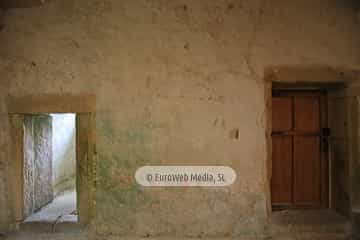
[(298, 160)]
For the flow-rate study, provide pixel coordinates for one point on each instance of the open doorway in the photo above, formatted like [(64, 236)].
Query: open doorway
[(84, 107), (49, 168)]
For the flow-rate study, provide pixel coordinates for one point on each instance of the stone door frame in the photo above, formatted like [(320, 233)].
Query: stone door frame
[(83, 105), (335, 80)]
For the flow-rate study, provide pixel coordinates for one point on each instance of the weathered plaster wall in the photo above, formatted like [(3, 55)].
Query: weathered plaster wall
[(173, 79), (339, 123), (344, 121)]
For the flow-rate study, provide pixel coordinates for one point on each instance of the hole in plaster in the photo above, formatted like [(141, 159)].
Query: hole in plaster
[(234, 134), (186, 46), (231, 6)]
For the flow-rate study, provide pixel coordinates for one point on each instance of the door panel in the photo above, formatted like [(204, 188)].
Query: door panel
[(281, 181), (307, 113), (282, 114), (307, 170)]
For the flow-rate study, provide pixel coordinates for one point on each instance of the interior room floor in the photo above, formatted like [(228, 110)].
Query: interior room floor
[(308, 217), (316, 224), (62, 208), (287, 224)]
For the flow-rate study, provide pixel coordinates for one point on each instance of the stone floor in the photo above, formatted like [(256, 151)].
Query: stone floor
[(309, 224), (283, 225), (62, 208), (310, 218)]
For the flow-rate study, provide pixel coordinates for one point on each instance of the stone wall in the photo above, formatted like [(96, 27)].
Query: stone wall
[(37, 168), (173, 79)]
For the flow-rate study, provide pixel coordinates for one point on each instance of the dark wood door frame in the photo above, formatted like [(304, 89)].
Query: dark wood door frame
[(324, 165)]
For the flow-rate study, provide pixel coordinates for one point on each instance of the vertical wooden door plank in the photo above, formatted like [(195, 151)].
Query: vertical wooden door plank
[(307, 158), (282, 123), (307, 113), (281, 181), (281, 114), (307, 171)]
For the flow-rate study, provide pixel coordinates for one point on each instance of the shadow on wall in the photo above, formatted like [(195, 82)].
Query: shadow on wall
[(1, 19), (8, 4), (64, 155)]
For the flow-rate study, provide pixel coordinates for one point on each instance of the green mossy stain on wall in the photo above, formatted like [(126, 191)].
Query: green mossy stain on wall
[(122, 150)]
